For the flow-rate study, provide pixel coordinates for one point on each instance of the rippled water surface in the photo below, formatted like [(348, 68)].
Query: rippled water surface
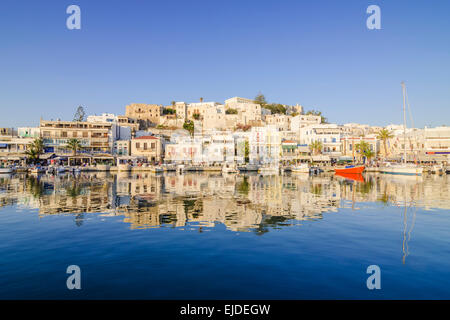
[(214, 236)]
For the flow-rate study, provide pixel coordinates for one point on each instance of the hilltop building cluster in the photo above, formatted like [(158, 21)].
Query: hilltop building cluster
[(239, 130)]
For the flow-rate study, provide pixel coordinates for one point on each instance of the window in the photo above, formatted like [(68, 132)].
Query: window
[(153, 145), (145, 145), (138, 145)]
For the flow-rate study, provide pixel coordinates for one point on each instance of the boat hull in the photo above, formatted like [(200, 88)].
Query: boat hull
[(403, 171), (352, 170)]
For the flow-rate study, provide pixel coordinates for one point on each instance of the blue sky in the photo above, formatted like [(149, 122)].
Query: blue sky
[(316, 53)]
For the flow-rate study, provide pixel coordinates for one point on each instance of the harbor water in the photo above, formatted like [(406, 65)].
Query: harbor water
[(224, 236)]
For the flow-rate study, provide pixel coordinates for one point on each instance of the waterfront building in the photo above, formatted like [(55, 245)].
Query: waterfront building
[(289, 151), (183, 149), (147, 146), (437, 140), (264, 145), (122, 147), (349, 145), (29, 132), (218, 147), (93, 136), (328, 134), (147, 115)]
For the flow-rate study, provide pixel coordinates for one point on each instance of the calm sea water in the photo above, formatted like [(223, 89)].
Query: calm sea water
[(214, 236)]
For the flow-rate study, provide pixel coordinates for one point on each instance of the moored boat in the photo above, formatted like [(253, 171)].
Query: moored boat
[(402, 168), (300, 168), (6, 170), (350, 169)]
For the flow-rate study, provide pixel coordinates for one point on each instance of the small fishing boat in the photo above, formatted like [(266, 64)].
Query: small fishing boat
[(350, 169)]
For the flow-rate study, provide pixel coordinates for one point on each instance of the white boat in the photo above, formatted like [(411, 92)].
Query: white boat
[(300, 168), (229, 168), (6, 170), (402, 168)]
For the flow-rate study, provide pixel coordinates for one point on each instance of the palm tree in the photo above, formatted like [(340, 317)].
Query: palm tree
[(316, 147), (362, 147), (74, 145), (35, 149), (384, 135)]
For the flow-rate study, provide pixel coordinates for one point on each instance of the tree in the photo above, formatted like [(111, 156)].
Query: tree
[(317, 113), (35, 149), (74, 145), (260, 99), (276, 108), (384, 135), (169, 111), (231, 111), (201, 99), (173, 103), (196, 116), (316, 147), (79, 115), (189, 126), (246, 151)]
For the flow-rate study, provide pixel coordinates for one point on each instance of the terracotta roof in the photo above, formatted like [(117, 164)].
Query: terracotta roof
[(147, 137), (289, 141)]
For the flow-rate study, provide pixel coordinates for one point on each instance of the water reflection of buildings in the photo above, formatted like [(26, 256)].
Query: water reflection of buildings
[(241, 203)]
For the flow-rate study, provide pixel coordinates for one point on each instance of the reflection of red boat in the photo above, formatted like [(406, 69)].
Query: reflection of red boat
[(350, 169), (352, 176)]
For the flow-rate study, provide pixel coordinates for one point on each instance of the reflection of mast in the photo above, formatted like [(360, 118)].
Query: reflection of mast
[(406, 233)]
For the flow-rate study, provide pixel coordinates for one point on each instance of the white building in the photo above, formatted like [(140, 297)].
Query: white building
[(29, 132), (328, 134), (265, 145)]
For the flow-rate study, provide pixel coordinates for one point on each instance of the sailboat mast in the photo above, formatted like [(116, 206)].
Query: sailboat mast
[(404, 123)]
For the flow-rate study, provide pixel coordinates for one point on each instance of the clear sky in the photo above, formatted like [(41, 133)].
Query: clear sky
[(318, 53)]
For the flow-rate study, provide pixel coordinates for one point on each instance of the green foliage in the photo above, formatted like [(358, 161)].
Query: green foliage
[(384, 135), (246, 151), (316, 146), (196, 116), (35, 149), (74, 145), (317, 113), (231, 111), (276, 108), (244, 186), (260, 99), (169, 111), (189, 126), (80, 115)]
